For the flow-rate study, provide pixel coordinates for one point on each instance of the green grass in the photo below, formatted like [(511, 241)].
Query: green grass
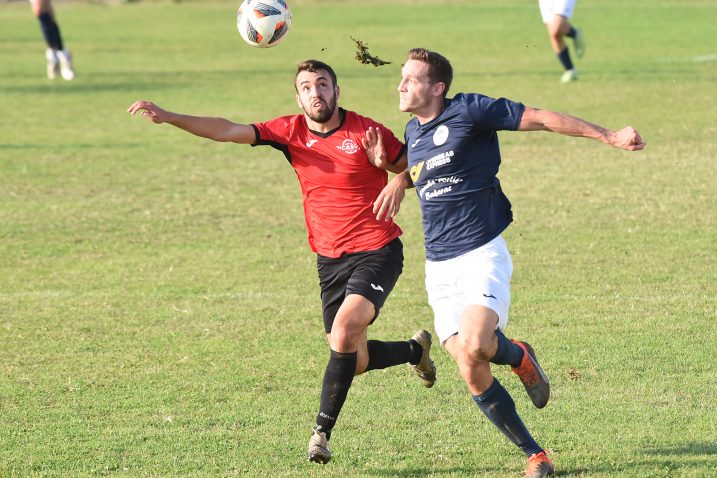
[(159, 308)]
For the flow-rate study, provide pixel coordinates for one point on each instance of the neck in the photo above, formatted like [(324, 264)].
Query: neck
[(430, 112)]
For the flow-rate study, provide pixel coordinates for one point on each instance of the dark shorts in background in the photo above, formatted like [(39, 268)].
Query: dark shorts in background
[(369, 274)]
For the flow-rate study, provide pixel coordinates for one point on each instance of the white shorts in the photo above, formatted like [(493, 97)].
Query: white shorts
[(478, 277), (41, 4), (550, 8)]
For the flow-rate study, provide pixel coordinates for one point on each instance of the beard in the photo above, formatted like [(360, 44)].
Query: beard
[(323, 115)]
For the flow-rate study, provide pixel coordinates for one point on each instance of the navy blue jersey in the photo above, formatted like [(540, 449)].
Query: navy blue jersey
[(453, 161)]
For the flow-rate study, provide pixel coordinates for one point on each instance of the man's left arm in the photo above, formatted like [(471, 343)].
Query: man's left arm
[(376, 152), (534, 119)]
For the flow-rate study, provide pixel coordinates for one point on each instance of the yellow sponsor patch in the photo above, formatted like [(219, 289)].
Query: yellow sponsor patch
[(416, 171)]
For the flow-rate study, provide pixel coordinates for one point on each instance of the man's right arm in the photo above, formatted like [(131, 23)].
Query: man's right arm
[(216, 129), (534, 119)]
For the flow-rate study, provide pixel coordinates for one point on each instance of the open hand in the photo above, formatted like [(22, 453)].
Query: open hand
[(150, 111), (373, 144), (388, 202)]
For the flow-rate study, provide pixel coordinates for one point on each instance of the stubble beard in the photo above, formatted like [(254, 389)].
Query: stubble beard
[(324, 115)]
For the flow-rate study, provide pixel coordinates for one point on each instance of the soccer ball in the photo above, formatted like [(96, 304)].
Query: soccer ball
[(263, 23)]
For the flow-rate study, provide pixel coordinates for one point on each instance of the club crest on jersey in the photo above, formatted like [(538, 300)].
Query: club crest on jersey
[(349, 146), (416, 171), (441, 135)]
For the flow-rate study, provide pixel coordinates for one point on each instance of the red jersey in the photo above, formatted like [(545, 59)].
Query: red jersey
[(338, 183)]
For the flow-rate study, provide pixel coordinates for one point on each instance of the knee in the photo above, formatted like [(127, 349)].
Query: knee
[(554, 32), (39, 7), (346, 335), (474, 350), (341, 339)]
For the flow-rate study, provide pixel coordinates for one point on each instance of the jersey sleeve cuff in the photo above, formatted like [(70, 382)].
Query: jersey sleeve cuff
[(400, 153)]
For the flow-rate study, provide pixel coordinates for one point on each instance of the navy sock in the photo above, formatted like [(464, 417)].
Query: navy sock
[(337, 380), (497, 404), (51, 31), (572, 32), (508, 353), (387, 354), (564, 57)]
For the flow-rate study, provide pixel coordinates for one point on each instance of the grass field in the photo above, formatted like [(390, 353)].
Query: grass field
[(159, 308)]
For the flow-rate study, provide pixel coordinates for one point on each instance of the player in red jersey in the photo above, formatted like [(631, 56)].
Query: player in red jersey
[(359, 257)]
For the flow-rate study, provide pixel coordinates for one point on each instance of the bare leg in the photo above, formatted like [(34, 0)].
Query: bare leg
[(558, 27), (472, 348)]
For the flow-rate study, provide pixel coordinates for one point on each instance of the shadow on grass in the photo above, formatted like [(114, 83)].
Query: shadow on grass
[(695, 448), (694, 456), (419, 472), (575, 471)]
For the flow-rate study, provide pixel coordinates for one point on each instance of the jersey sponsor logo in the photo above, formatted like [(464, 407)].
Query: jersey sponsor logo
[(377, 287), (311, 142), (416, 171), (413, 145), (441, 135), (438, 192), (349, 146), (439, 160)]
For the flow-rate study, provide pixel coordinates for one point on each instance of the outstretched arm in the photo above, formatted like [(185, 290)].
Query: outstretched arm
[(541, 120), (217, 129)]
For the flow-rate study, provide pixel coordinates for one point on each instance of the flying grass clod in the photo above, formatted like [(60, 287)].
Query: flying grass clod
[(363, 56)]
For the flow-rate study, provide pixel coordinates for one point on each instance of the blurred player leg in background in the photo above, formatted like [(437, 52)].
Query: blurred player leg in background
[(556, 15), (59, 59)]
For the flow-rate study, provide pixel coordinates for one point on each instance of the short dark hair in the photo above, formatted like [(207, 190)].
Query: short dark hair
[(439, 68), (314, 66)]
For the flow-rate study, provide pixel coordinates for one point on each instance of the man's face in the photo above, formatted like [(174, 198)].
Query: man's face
[(415, 90), (317, 95)]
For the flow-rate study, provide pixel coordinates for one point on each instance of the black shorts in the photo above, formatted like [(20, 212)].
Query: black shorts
[(369, 274)]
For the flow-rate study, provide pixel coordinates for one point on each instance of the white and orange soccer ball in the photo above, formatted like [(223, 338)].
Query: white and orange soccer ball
[(263, 23)]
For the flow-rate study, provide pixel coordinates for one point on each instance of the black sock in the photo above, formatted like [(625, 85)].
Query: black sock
[(337, 380), (571, 33), (387, 354), (508, 353), (416, 352), (497, 404), (51, 31), (564, 57)]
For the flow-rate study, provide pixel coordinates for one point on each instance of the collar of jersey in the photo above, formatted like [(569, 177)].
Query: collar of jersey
[(342, 118)]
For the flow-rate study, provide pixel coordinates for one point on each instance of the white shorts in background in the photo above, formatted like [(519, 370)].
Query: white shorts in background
[(550, 8), (479, 277)]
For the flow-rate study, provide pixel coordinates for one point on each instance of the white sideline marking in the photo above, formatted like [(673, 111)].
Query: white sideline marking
[(693, 59), (702, 58)]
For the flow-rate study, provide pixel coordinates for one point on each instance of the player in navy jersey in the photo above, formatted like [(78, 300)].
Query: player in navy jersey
[(453, 160), (359, 257)]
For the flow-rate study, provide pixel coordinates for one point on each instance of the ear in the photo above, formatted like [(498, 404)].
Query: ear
[(338, 92), (439, 88), (298, 101)]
